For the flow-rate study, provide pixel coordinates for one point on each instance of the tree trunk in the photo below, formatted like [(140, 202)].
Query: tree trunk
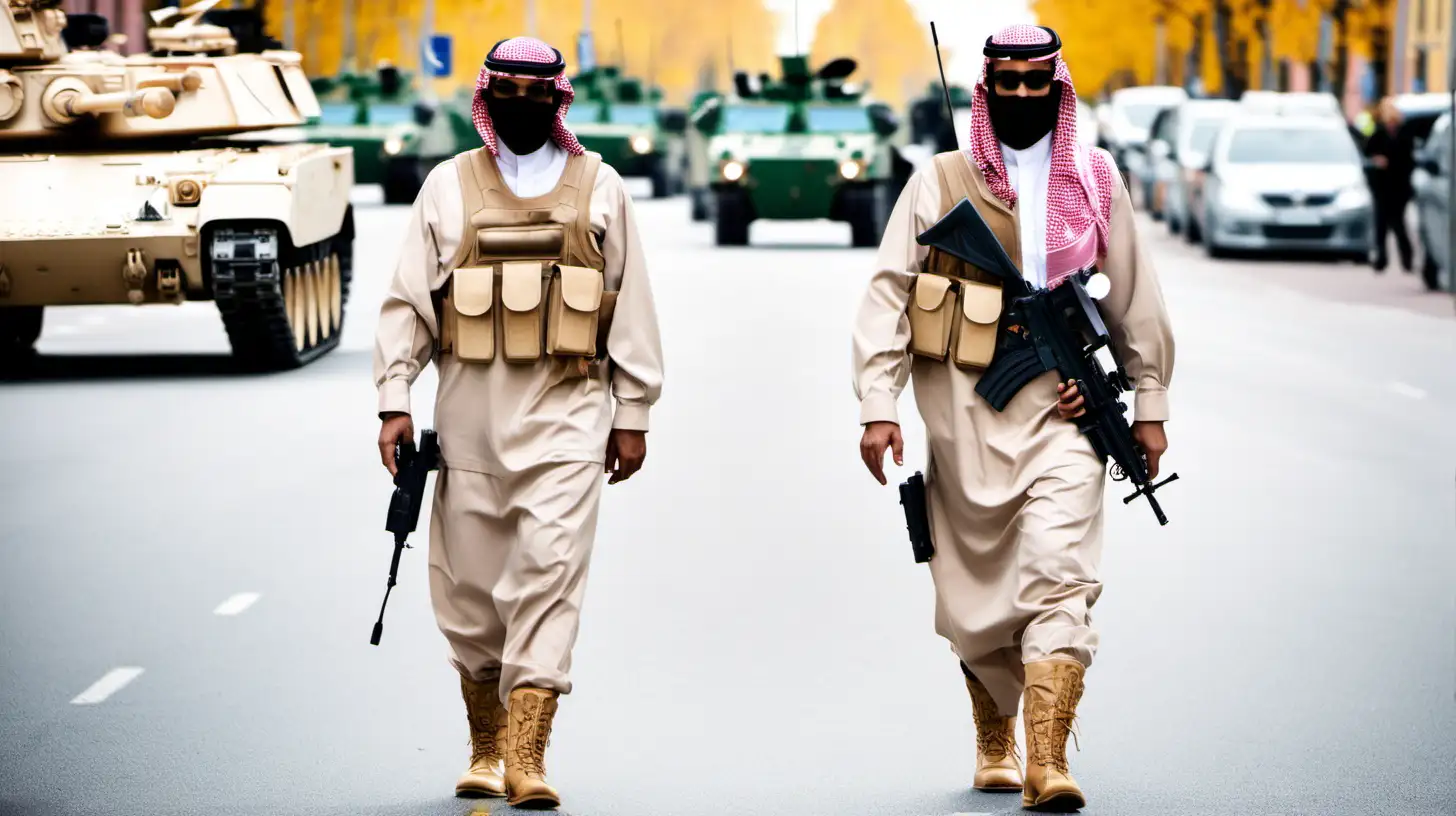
[(1193, 74), (1223, 35), (1267, 79), (1342, 49)]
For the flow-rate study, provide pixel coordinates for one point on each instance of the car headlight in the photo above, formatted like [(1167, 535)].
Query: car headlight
[(733, 170), (641, 144), (393, 145), (1353, 198), (1236, 198), (850, 169)]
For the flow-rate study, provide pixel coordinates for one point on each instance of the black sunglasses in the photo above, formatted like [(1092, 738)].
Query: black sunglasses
[(1009, 81)]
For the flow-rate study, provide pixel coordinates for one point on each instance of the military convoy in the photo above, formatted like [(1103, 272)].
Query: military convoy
[(627, 124), (805, 146), (131, 181)]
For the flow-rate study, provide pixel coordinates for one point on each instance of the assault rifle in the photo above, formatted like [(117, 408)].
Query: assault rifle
[(1066, 330), (411, 470)]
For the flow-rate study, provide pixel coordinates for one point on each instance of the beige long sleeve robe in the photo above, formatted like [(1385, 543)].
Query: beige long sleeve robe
[(1016, 496), (516, 499)]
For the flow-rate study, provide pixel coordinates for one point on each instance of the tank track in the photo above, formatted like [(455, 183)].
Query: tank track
[(248, 261)]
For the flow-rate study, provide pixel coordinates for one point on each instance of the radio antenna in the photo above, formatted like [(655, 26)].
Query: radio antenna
[(944, 86)]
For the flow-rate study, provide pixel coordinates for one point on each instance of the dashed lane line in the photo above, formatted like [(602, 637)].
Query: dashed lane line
[(237, 604), (109, 684)]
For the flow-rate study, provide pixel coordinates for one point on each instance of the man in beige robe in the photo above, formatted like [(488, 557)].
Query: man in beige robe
[(1015, 497), (512, 251)]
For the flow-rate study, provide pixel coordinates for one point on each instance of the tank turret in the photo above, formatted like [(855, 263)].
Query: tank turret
[(193, 83)]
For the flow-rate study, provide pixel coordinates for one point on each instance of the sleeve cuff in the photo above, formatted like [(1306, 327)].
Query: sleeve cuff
[(878, 408), (630, 417), (394, 396), (1151, 405)]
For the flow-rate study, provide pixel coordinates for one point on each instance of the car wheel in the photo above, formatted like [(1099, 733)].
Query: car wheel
[(1191, 233), (732, 218), (700, 204), (1431, 273), (866, 211)]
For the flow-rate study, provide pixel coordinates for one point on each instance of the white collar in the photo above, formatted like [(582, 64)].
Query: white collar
[(1033, 156), (540, 158)]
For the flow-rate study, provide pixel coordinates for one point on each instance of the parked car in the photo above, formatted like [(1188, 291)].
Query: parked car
[(1178, 151), (1287, 183), (1289, 103), (1432, 184), (1129, 120)]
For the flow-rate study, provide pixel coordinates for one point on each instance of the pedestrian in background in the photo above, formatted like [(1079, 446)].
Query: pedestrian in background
[(1392, 151)]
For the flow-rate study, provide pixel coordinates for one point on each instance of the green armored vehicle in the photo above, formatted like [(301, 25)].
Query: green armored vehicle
[(396, 134), (700, 168), (806, 146), (627, 124)]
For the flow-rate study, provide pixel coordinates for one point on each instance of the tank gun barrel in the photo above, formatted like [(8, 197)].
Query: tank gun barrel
[(189, 80), (67, 100)]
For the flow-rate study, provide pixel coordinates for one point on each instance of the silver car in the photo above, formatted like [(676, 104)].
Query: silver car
[(1287, 183), (1182, 138), (1431, 182)]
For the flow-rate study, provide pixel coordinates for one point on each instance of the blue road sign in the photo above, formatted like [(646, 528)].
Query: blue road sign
[(437, 56)]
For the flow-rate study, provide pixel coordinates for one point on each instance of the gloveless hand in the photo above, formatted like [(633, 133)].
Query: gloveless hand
[(625, 452), (397, 429), (1154, 443), (877, 437)]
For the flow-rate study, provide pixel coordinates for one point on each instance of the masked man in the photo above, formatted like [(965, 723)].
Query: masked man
[(1015, 497), (523, 278)]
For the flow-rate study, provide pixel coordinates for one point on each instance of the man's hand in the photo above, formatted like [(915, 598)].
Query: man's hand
[(397, 428), (625, 452), (877, 437), (1069, 400), (1382, 162), (1154, 442)]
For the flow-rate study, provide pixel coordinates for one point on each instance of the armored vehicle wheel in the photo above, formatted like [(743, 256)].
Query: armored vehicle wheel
[(19, 329), (702, 204), (283, 306), (403, 180), (865, 209), (732, 218), (661, 178)]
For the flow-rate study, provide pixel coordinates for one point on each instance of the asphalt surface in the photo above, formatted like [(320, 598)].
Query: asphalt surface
[(757, 638)]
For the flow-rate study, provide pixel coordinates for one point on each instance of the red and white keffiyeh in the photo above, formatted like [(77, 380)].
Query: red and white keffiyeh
[(524, 49), (1081, 183)]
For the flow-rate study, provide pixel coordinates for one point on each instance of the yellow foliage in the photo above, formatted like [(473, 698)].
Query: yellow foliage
[(673, 40), (892, 46)]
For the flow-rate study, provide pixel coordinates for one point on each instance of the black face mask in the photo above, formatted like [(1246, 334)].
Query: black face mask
[(1021, 121), (522, 124)]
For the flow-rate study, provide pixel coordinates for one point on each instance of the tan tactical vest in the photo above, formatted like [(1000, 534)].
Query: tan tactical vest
[(955, 308), (527, 281)]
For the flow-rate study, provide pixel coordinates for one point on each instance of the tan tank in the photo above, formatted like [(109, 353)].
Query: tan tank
[(130, 180)]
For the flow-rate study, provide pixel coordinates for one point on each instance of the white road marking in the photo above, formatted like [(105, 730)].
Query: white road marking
[(1407, 390), (236, 604), (112, 682)]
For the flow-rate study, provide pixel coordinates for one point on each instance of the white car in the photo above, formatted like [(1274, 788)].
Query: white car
[(1307, 103), (1129, 121), (1287, 183), (1178, 151)]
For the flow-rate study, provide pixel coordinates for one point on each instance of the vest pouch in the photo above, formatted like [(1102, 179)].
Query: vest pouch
[(980, 317), (521, 286), (932, 313), (575, 302), (469, 318)]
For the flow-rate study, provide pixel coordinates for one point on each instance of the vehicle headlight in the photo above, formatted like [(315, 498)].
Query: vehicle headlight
[(1353, 198), (1237, 198), (850, 169), (733, 170), (641, 144), (393, 145)]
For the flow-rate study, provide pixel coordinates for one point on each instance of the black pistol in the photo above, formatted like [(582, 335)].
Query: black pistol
[(917, 517), (411, 469)]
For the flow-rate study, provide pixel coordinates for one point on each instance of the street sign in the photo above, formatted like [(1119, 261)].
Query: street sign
[(437, 56)]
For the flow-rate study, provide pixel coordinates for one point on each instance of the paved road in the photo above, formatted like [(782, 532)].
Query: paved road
[(757, 639)]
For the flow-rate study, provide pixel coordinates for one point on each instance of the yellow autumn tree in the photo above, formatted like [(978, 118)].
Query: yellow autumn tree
[(892, 46), (674, 42)]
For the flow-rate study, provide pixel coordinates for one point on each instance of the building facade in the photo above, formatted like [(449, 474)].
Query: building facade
[(127, 17), (1424, 43)]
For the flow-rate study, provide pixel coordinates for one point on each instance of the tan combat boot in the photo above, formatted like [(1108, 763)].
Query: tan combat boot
[(531, 712), (485, 777), (1053, 689), (997, 761)]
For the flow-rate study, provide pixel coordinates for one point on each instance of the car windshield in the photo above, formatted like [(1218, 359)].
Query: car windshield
[(632, 115), (1204, 132), (1142, 115), (1289, 145), (756, 118), (584, 113), (337, 113), (390, 114), (839, 118)]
